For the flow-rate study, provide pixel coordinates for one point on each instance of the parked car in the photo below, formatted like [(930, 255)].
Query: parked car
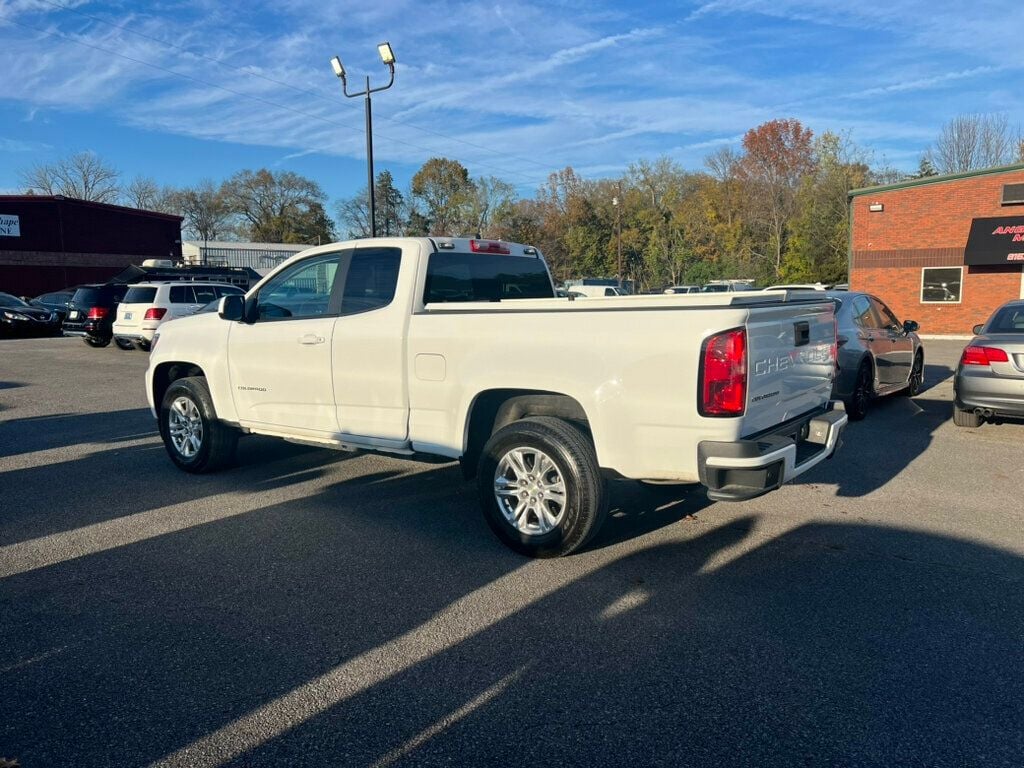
[(592, 291), (682, 289), (18, 318), (798, 287), (147, 305), (989, 380), (726, 286), (91, 312), (878, 355), (55, 302)]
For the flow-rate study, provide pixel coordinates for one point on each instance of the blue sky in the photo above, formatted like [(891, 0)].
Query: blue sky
[(182, 90)]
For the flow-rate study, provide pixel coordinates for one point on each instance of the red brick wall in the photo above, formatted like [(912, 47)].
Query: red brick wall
[(924, 226), (984, 289)]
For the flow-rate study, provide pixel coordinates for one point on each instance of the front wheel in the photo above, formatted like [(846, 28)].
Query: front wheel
[(194, 438), (541, 488), (95, 341)]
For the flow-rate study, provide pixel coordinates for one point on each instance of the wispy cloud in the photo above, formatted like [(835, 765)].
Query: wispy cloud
[(532, 88), (20, 145)]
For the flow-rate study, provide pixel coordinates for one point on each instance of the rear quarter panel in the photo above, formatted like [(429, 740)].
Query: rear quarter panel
[(634, 371)]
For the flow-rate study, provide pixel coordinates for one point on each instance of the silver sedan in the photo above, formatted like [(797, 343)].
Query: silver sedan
[(989, 381)]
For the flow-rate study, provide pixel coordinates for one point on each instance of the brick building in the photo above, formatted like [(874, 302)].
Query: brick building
[(944, 251), (48, 243)]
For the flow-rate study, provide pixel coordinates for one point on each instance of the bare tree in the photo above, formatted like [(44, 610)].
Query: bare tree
[(142, 193), (83, 176), (206, 210), (971, 142)]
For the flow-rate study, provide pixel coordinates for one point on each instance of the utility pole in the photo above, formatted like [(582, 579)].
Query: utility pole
[(616, 203), (387, 56)]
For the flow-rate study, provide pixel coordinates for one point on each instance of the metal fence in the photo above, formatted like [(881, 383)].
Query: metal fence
[(259, 260)]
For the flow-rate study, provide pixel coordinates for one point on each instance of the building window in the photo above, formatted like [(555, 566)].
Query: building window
[(941, 285)]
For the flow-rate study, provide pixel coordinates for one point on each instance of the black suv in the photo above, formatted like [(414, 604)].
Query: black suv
[(92, 311)]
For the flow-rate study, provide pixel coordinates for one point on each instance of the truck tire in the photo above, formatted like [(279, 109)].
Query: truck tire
[(966, 418), (541, 488), (193, 436)]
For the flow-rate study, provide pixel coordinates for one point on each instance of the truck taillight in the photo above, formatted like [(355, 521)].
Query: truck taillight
[(97, 313), (983, 356), (489, 246), (155, 313), (723, 374), (835, 342)]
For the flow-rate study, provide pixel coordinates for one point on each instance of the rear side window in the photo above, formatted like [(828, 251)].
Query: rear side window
[(371, 279), (138, 295), (182, 294), (485, 277), (204, 294), (86, 296), (860, 307)]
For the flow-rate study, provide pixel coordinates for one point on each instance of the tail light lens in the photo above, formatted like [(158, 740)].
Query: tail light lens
[(723, 374), (983, 356), (97, 313), (155, 313)]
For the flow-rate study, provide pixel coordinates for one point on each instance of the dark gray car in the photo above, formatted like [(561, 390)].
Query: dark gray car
[(878, 355), (989, 380)]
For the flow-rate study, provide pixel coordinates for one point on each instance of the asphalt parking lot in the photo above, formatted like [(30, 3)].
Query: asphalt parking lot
[(314, 608)]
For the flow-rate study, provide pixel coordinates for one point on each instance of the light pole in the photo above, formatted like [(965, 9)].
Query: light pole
[(618, 231), (388, 57)]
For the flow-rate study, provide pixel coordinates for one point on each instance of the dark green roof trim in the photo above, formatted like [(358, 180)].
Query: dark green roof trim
[(935, 180)]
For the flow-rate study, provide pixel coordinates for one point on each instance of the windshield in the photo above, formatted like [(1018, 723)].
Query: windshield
[(1007, 320), (11, 301)]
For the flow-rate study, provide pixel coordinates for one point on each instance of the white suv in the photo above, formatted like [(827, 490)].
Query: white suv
[(147, 305)]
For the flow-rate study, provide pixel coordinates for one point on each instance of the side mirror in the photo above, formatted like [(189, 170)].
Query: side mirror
[(231, 307), (909, 326), (978, 329)]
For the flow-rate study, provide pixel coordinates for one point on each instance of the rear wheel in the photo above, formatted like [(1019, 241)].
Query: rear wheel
[(124, 344), (95, 341), (541, 488), (966, 418), (916, 380), (863, 391), (194, 438)]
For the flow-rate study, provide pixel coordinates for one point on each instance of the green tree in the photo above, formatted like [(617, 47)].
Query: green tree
[(818, 246), (444, 195), (278, 207), (353, 212)]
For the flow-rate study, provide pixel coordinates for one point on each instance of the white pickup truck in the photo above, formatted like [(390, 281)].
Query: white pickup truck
[(459, 348)]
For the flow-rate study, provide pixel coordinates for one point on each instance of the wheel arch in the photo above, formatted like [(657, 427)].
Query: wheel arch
[(167, 373), (495, 408)]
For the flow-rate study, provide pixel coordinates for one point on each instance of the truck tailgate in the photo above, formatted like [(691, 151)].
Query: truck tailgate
[(790, 362)]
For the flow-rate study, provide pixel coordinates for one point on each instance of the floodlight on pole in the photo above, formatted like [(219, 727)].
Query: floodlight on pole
[(387, 56)]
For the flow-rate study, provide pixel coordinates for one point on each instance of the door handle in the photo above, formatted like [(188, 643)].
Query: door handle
[(311, 338)]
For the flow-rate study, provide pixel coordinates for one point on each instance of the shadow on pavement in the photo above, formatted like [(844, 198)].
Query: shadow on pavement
[(828, 645), (895, 432)]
